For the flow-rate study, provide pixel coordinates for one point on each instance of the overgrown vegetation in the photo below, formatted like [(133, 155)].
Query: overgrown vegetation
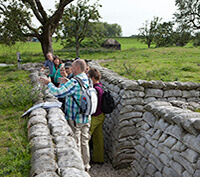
[(16, 96)]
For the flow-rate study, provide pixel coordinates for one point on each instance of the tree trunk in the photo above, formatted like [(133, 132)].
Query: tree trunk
[(46, 41), (149, 44), (77, 49)]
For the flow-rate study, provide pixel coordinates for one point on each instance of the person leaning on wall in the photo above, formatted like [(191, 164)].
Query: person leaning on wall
[(97, 120), (49, 62), (80, 123), (56, 70)]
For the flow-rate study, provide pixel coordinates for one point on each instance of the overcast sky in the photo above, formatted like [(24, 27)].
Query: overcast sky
[(131, 14)]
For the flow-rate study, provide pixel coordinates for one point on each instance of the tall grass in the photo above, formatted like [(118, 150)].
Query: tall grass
[(16, 96)]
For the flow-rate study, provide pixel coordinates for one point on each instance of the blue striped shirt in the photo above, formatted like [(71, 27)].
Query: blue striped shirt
[(72, 87)]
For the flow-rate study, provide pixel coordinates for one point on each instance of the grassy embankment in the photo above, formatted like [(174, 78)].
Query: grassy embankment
[(134, 61)]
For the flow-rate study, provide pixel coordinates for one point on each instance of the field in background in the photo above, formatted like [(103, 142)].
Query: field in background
[(134, 61)]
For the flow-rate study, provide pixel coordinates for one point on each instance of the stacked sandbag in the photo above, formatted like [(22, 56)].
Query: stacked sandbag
[(125, 126), (53, 147), (168, 145)]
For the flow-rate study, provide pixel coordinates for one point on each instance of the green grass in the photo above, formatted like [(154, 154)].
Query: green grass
[(135, 61), (14, 147)]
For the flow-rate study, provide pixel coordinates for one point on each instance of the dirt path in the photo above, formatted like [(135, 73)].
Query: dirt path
[(106, 170)]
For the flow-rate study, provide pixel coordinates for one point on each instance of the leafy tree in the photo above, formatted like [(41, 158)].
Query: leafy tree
[(149, 31), (182, 35), (164, 34), (112, 30), (78, 23), (196, 39), (16, 24), (188, 13)]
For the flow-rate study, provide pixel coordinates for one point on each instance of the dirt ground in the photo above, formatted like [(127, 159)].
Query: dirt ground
[(106, 170)]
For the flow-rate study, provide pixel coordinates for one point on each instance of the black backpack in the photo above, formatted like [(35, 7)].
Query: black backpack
[(108, 103)]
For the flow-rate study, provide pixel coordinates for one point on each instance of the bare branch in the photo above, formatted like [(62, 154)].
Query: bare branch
[(34, 9), (41, 9)]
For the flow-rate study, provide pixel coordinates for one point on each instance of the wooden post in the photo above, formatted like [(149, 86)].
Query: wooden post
[(19, 60)]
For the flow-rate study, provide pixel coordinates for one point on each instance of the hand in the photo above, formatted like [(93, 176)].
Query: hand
[(42, 69), (64, 80), (44, 81)]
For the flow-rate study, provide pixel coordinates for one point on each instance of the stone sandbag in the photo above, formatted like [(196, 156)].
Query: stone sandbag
[(73, 172), (47, 174), (38, 111), (41, 152), (70, 158), (151, 105), (36, 120), (55, 111), (38, 130), (65, 142), (61, 129), (41, 143), (43, 164)]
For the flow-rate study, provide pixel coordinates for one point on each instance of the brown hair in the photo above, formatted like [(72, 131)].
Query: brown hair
[(56, 57), (94, 73)]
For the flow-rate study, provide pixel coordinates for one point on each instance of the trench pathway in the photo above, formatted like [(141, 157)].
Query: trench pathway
[(106, 170)]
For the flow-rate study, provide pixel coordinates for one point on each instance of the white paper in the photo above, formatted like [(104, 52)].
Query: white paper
[(44, 105)]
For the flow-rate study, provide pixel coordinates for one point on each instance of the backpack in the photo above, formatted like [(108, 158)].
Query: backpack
[(89, 99), (108, 103)]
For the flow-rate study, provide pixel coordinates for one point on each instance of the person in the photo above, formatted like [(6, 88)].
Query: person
[(87, 69), (63, 79), (68, 68), (48, 63), (79, 123), (56, 70), (97, 120)]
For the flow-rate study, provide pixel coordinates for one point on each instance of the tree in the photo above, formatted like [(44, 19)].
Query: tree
[(182, 35), (16, 25), (112, 30), (188, 13), (164, 34), (148, 32), (78, 23)]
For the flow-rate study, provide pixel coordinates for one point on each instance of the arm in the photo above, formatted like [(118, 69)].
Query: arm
[(66, 89)]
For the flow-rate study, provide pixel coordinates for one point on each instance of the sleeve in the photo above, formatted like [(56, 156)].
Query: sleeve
[(66, 90), (46, 63)]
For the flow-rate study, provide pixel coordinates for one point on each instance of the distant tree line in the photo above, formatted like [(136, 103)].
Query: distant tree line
[(182, 30)]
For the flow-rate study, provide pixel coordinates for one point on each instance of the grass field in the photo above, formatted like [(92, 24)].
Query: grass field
[(135, 61)]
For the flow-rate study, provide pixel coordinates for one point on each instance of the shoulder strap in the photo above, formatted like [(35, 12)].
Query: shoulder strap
[(82, 86), (100, 87), (80, 82)]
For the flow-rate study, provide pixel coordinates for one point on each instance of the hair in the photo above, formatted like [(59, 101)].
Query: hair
[(81, 63), (94, 73), (62, 68), (56, 57), (50, 53)]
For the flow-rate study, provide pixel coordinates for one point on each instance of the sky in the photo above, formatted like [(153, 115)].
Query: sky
[(130, 14)]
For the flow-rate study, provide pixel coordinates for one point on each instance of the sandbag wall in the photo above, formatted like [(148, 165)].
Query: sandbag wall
[(53, 147), (128, 136)]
